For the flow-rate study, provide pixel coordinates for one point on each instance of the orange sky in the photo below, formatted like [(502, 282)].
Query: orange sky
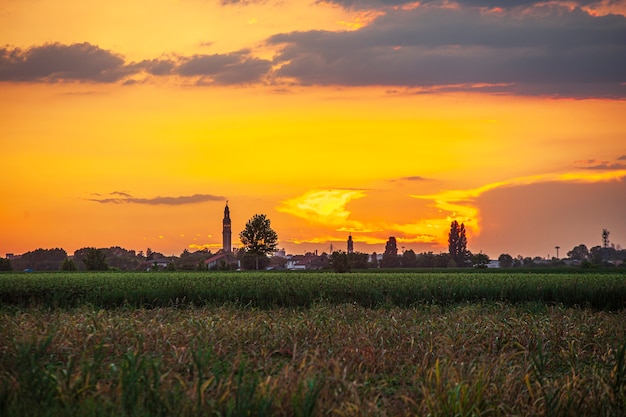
[(131, 124)]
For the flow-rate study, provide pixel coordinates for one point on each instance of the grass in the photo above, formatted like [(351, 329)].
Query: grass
[(473, 357)]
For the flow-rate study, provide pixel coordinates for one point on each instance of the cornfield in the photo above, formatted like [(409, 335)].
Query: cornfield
[(282, 344)]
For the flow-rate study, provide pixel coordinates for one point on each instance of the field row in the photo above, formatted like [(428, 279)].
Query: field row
[(486, 359), (285, 289)]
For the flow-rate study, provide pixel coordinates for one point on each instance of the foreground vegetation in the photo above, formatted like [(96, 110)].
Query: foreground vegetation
[(165, 349), (599, 290)]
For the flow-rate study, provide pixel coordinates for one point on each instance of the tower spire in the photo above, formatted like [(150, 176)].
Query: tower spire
[(226, 230)]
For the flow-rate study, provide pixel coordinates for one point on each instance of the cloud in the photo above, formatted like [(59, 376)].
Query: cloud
[(323, 206), (89, 63), (461, 205), (543, 48), (156, 66), (120, 193), (56, 62), (491, 4), (232, 68), (415, 178), (622, 158), (124, 198), (552, 51), (594, 164)]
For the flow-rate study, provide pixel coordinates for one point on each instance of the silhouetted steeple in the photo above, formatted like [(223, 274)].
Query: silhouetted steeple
[(226, 232)]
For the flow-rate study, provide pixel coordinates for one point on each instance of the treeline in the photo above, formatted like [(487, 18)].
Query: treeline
[(99, 259)]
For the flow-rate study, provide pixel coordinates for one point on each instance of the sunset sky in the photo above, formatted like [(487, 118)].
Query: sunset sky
[(130, 123)]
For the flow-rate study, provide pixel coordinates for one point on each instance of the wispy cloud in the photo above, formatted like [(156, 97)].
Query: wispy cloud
[(323, 206), (414, 178), (461, 205), (125, 198), (595, 164)]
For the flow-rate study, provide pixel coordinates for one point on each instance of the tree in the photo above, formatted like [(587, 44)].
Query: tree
[(5, 264), (596, 255), (68, 265), (506, 260), (358, 260), (579, 253), (189, 261), (480, 260), (426, 260), (40, 260), (390, 257), (373, 260), (408, 259), (258, 238), (339, 261), (457, 244), (95, 260)]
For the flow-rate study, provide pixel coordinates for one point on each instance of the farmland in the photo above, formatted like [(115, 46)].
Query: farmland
[(202, 344)]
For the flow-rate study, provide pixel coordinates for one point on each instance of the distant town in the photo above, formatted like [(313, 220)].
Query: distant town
[(338, 259)]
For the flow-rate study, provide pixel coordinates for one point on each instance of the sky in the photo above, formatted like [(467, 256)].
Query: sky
[(133, 123)]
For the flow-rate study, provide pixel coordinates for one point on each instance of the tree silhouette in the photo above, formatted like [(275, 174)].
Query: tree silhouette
[(457, 244), (95, 260), (339, 261), (68, 265), (258, 238), (390, 256), (506, 260)]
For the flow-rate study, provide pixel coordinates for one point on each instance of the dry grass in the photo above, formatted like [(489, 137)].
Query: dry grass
[(467, 360)]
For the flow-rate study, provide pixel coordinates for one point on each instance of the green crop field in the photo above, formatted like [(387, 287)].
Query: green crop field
[(313, 344)]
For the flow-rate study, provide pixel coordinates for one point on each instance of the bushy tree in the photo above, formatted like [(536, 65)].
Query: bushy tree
[(579, 253), (408, 259), (339, 261), (68, 265), (358, 260), (5, 264), (40, 260), (95, 260), (258, 238), (189, 261), (480, 260), (506, 260)]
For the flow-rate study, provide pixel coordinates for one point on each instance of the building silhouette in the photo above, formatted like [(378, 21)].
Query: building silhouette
[(225, 258), (226, 231), (350, 244)]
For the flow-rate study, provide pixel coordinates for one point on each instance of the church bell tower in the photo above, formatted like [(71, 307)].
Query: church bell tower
[(226, 233)]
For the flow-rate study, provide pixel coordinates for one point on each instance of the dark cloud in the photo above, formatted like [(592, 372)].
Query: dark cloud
[(490, 4), (233, 68), (86, 62), (622, 158), (53, 62), (414, 178), (121, 193), (553, 51), (156, 66), (125, 198), (594, 164)]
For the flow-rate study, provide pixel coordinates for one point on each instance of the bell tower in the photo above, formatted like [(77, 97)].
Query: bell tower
[(226, 232)]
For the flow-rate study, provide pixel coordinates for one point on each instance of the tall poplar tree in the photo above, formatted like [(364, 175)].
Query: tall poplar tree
[(457, 244)]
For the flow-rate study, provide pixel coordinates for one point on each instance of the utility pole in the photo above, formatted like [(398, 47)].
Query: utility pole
[(557, 251)]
